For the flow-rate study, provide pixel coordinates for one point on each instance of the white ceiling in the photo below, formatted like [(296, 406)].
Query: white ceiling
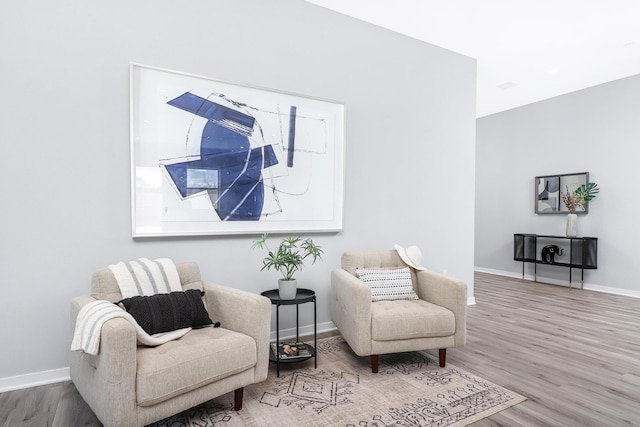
[(527, 50)]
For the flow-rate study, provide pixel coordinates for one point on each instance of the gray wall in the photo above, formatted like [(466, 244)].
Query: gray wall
[(410, 145), (595, 130)]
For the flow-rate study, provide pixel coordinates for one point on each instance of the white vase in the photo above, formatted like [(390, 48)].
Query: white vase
[(287, 289), (572, 225)]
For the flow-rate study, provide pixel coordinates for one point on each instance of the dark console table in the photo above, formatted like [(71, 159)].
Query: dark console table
[(576, 252), (302, 296)]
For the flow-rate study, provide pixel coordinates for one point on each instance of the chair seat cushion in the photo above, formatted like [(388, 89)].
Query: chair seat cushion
[(398, 320), (200, 357)]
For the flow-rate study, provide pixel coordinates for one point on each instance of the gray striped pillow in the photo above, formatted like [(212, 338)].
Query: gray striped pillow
[(388, 284)]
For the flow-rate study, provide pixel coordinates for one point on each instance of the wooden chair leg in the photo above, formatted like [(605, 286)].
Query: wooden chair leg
[(374, 363), (237, 395), (443, 357)]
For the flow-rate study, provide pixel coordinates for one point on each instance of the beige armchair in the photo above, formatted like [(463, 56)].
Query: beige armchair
[(437, 320), (128, 384)]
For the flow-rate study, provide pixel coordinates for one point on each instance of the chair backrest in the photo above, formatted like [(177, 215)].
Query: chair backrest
[(104, 285), (374, 259)]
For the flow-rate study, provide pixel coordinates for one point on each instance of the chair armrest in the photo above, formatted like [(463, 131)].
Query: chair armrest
[(76, 305), (351, 310), (107, 380), (118, 343), (243, 312), (446, 292)]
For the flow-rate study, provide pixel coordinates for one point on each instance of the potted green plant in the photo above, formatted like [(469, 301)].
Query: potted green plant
[(288, 258)]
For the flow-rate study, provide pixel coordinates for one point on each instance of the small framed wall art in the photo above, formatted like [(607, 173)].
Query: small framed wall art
[(213, 157), (550, 188)]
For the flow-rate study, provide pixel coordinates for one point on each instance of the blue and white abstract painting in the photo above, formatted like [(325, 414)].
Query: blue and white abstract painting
[(210, 157)]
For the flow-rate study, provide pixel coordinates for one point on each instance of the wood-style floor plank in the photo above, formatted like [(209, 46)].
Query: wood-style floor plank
[(575, 354)]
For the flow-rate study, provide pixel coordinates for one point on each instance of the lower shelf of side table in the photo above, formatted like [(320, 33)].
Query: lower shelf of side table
[(306, 351)]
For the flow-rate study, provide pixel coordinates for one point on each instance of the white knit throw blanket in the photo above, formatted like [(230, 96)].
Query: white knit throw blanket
[(93, 315), (142, 277)]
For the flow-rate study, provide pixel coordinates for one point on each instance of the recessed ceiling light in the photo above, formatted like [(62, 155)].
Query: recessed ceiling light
[(507, 85), (553, 70)]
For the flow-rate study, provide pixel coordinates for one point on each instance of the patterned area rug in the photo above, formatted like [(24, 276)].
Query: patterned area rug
[(410, 389)]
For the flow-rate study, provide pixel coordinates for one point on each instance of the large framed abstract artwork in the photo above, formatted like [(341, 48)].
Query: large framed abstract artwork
[(213, 157), (549, 190)]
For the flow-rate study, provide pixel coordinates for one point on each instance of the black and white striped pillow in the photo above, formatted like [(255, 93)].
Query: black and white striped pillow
[(388, 284)]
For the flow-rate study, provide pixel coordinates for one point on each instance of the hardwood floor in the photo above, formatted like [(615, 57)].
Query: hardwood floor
[(575, 354), (55, 405)]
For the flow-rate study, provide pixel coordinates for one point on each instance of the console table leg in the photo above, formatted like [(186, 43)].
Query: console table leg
[(570, 277)]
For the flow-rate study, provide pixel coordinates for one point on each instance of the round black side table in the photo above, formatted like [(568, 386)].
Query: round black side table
[(302, 296)]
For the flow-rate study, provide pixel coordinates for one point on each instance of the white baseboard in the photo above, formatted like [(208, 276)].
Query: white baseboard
[(498, 272), (589, 286), (34, 379), (615, 291), (286, 334), (58, 375)]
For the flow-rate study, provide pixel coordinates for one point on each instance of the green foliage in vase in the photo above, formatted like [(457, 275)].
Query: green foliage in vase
[(580, 196), (290, 255), (588, 191)]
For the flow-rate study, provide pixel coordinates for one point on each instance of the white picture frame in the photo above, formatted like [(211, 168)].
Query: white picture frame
[(213, 157)]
